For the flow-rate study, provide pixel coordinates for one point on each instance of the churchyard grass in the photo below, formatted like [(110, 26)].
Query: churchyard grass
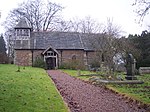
[(74, 73), (140, 92), (30, 90)]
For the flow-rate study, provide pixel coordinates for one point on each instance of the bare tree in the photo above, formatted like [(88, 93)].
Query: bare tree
[(106, 44), (51, 15), (86, 25), (33, 12), (40, 16), (89, 25), (64, 26), (75, 25), (112, 29), (142, 8)]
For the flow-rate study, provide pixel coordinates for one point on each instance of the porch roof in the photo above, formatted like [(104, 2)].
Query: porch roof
[(50, 47)]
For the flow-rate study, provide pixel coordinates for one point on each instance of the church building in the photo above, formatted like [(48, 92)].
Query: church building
[(55, 48)]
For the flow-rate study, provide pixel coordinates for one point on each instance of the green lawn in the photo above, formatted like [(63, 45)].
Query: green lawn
[(139, 92), (30, 90), (74, 73)]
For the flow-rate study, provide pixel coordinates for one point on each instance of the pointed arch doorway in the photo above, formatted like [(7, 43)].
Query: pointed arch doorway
[(51, 58)]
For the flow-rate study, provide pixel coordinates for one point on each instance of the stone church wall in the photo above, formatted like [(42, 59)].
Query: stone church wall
[(90, 57), (37, 53), (67, 55), (23, 57)]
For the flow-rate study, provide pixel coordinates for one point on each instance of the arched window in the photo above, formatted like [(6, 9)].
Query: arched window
[(74, 57)]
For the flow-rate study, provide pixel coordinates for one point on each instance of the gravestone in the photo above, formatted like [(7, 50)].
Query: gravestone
[(144, 70), (79, 72), (130, 67)]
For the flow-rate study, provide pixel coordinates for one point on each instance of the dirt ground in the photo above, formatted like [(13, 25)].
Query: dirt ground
[(85, 97)]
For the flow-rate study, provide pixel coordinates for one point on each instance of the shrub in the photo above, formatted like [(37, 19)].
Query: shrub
[(39, 62), (94, 63), (3, 58), (73, 64)]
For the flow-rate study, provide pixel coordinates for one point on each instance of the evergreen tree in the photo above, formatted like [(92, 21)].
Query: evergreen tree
[(3, 56), (2, 45), (142, 42), (144, 45)]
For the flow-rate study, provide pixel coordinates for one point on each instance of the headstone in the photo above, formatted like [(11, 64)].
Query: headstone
[(144, 70), (130, 67), (119, 77), (79, 72)]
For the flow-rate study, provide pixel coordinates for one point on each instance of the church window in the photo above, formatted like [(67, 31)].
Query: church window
[(26, 32), (74, 57), (50, 53), (18, 32), (22, 32)]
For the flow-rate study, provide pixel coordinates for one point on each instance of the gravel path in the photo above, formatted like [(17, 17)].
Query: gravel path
[(84, 97)]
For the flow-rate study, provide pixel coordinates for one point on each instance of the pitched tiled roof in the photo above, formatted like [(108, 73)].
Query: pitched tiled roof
[(58, 40), (61, 40)]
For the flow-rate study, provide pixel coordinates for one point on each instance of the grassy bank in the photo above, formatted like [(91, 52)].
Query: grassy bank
[(30, 90), (140, 92)]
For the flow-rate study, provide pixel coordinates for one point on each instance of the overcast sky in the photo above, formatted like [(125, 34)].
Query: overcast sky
[(120, 10)]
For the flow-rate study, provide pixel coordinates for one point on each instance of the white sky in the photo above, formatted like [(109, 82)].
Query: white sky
[(120, 10)]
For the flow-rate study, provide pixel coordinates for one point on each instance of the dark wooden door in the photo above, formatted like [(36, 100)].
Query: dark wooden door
[(51, 63)]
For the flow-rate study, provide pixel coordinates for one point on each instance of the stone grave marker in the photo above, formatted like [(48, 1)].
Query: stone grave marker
[(130, 67)]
